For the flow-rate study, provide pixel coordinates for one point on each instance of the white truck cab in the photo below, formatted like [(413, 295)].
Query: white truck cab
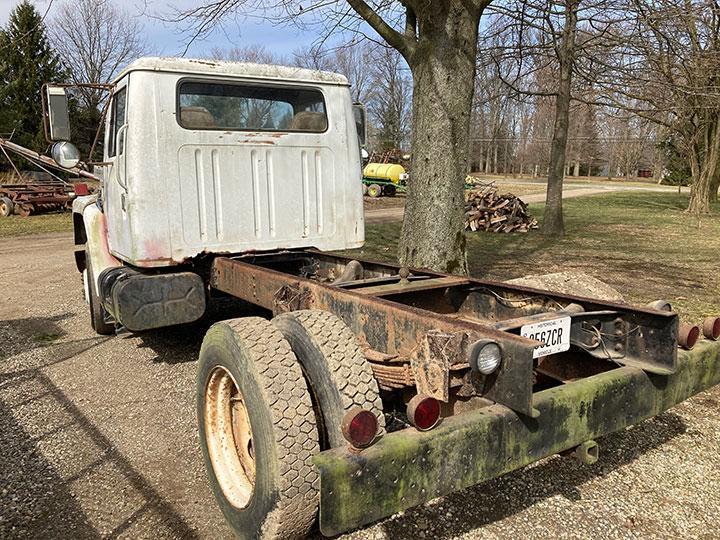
[(222, 157), (202, 158)]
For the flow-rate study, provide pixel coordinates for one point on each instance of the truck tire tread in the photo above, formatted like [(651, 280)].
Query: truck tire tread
[(97, 312), (293, 425), (348, 370)]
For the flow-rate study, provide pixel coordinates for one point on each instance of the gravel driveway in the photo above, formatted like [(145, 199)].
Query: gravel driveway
[(99, 440)]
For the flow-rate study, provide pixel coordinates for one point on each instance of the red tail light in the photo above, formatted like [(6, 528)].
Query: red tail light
[(711, 328), (423, 412), (688, 336), (359, 427)]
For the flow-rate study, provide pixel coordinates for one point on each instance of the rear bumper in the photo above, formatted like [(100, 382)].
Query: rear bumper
[(408, 467)]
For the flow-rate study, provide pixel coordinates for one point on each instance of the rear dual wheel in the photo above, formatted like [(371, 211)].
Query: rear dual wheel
[(338, 375), (257, 430), (270, 396)]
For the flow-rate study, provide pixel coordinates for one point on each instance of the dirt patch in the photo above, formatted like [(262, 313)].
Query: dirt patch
[(378, 203), (100, 439)]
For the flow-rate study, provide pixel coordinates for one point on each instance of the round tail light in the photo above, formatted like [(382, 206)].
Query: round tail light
[(688, 336), (423, 412), (359, 427), (711, 328), (484, 356)]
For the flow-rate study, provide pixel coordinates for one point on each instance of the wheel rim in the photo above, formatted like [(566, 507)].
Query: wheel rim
[(229, 440)]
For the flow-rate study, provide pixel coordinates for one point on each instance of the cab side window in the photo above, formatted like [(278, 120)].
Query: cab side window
[(117, 120)]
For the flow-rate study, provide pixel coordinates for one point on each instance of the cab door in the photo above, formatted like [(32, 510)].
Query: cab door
[(116, 189)]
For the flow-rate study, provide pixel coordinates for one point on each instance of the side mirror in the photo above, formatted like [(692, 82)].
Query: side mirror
[(360, 123), (57, 117), (65, 154)]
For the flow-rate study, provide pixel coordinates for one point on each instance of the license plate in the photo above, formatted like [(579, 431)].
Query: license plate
[(554, 334)]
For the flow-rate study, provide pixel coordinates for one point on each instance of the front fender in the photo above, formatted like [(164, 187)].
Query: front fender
[(96, 241)]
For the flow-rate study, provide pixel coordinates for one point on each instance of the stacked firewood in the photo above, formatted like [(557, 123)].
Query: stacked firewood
[(486, 209)]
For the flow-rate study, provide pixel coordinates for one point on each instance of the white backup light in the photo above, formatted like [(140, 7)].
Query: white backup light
[(485, 356)]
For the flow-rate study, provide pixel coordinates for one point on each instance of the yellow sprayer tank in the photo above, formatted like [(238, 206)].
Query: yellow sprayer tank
[(389, 172)]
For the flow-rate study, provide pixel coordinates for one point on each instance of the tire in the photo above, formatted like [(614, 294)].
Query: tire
[(6, 207), (24, 210), (272, 489), (98, 315), (390, 190), (335, 368), (365, 189), (374, 191)]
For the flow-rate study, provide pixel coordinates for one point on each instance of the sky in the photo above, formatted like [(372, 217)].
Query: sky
[(166, 39)]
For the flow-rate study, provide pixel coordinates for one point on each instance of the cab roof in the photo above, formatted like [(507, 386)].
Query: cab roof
[(233, 69)]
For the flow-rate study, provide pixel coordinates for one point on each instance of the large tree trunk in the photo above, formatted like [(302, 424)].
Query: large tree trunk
[(705, 169), (715, 185), (553, 224), (443, 67)]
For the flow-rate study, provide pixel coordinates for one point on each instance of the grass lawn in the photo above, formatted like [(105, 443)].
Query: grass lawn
[(643, 244), (503, 187), (41, 223), (520, 189)]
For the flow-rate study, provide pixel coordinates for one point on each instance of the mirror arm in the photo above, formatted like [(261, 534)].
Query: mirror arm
[(103, 116)]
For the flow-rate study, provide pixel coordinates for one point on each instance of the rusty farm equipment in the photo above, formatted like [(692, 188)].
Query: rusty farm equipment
[(34, 192), (34, 198)]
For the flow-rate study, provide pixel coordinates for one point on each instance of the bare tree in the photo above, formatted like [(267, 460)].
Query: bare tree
[(666, 68), (257, 54), (389, 99), (355, 61), (313, 57), (95, 40), (560, 38), (438, 39), (492, 120)]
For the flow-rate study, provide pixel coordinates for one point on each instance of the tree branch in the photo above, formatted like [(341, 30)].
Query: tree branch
[(410, 23), (395, 39)]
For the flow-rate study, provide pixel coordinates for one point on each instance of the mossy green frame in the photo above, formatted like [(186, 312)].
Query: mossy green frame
[(408, 467)]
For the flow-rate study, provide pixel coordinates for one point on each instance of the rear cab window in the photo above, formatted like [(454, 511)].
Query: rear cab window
[(249, 107)]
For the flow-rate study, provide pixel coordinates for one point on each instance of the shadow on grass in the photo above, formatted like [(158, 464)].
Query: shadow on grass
[(485, 251)]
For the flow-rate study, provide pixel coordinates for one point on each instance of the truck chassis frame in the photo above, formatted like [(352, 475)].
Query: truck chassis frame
[(416, 329)]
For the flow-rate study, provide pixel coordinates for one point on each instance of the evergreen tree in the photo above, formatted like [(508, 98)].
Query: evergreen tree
[(26, 62)]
